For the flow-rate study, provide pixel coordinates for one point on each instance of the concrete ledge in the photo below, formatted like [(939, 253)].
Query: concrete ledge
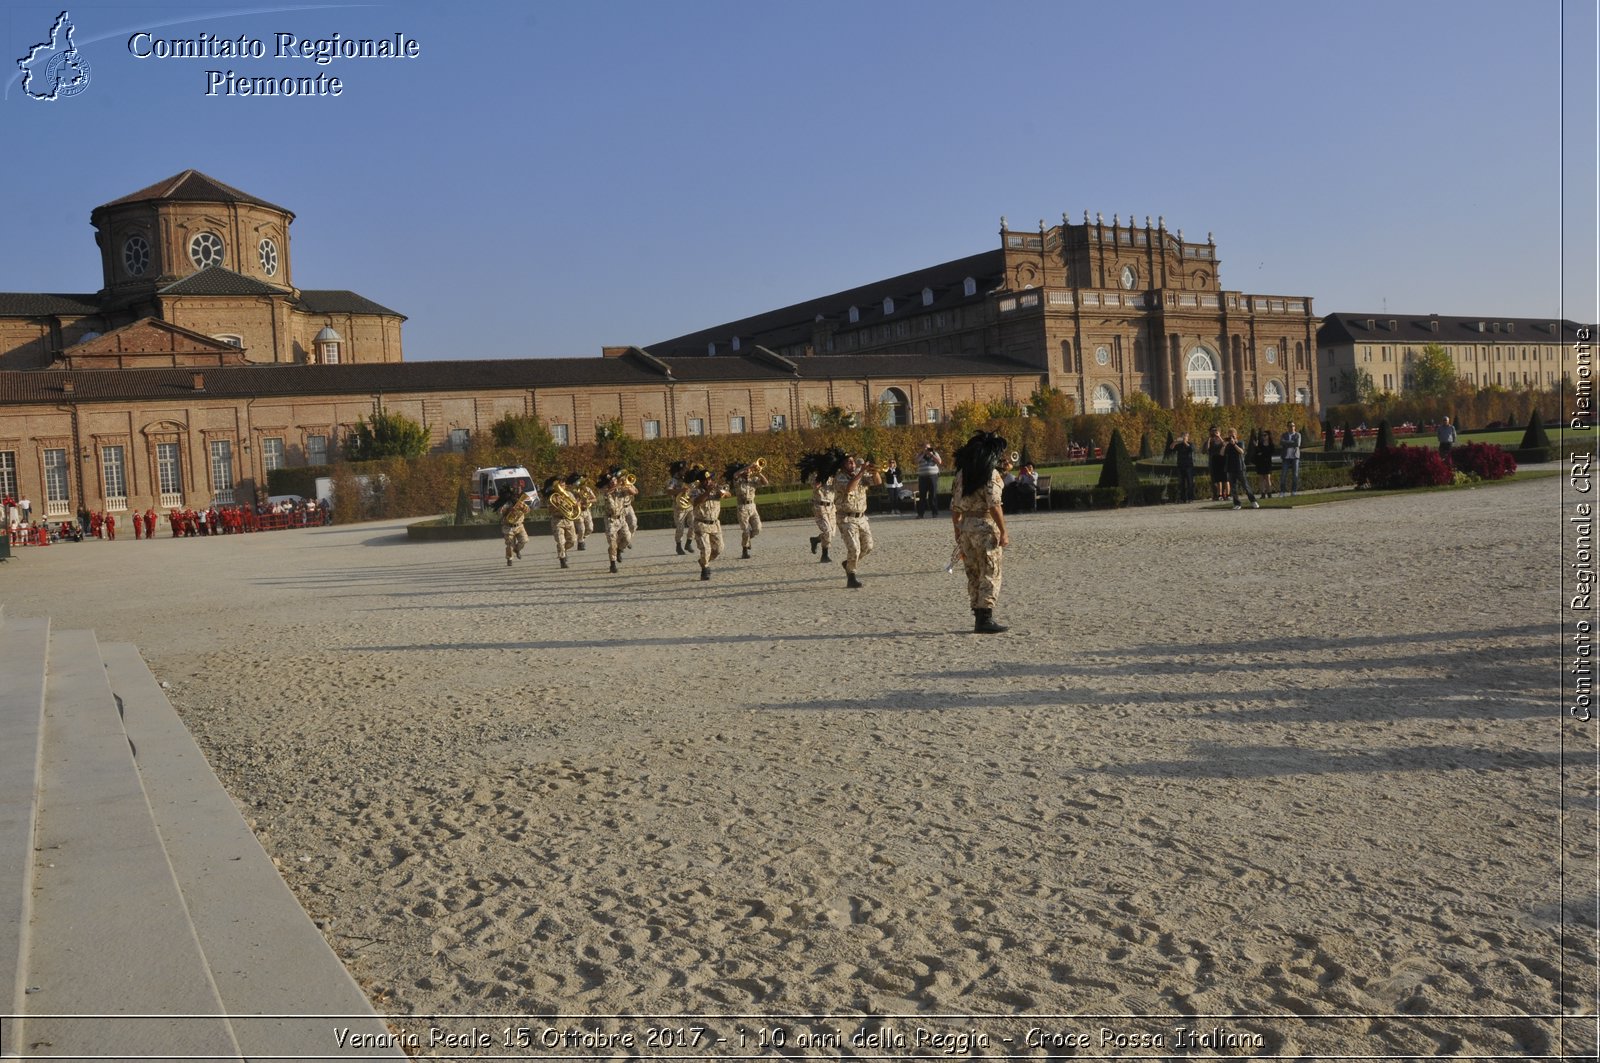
[(24, 647), (265, 956), (110, 938)]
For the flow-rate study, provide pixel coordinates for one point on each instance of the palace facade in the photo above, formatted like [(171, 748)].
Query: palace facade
[(1101, 310), (1520, 352), (198, 367)]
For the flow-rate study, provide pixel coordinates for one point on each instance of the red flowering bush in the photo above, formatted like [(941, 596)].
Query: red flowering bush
[(1483, 460), (1402, 466)]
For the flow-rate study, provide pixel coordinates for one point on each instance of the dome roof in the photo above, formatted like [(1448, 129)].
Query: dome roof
[(327, 335)]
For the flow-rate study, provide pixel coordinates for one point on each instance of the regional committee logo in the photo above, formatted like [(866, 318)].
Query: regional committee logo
[(55, 70)]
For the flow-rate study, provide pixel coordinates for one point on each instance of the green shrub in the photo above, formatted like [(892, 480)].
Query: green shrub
[(1118, 470)]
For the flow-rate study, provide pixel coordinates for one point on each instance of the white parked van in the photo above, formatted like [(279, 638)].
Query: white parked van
[(490, 486)]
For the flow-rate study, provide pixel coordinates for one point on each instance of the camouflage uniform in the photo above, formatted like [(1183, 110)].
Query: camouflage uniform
[(850, 504), (586, 498), (707, 517), (682, 514), (978, 539), (619, 536), (563, 531), (822, 509), (744, 493), (511, 528)]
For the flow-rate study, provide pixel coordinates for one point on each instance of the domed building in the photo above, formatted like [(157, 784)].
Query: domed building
[(194, 273)]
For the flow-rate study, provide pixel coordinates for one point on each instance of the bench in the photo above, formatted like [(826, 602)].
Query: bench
[(1041, 497)]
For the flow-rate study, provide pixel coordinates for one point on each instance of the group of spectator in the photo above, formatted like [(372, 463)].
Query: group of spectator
[(1230, 463), (22, 530)]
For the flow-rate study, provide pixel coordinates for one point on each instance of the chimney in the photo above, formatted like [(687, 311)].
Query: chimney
[(199, 381)]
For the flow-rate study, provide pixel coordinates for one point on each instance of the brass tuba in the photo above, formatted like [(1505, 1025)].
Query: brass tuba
[(561, 500)]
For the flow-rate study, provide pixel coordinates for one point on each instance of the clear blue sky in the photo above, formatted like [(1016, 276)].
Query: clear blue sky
[(547, 178)]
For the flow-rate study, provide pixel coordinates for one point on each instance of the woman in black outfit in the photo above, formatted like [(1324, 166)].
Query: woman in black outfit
[(1265, 448)]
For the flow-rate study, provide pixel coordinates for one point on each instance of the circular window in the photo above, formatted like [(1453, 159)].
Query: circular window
[(269, 257), (136, 255), (1102, 356), (205, 249), (1272, 355)]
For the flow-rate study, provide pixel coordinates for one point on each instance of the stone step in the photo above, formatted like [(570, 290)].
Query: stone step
[(24, 645), (114, 968), (280, 982)]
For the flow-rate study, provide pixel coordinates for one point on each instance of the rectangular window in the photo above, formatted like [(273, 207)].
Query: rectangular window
[(330, 354), (222, 470), (168, 475), (272, 453), (736, 424), (697, 426), (652, 429), (779, 422), (8, 473), (460, 438), (561, 434), (316, 450), (56, 499), (933, 415), (114, 477)]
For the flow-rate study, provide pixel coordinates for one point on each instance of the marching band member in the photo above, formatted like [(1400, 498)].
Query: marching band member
[(682, 515), (617, 495), (817, 470), (622, 476), (584, 524), (149, 524), (980, 523), (850, 503), (563, 511), (743, 479), (512, 529), (705, 498)]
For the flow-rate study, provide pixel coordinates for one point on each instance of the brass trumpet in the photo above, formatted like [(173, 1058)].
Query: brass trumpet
[(757, 467)]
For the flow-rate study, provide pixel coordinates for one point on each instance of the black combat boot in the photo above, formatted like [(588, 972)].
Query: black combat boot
[(705, 573), (679, 545), (613, 566), (815, 539), (746, 555), (580, 545), (563, 562), (983, 622), (850, 580)]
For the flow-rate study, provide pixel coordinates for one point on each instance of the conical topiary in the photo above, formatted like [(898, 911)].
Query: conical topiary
[(1349, 441), (1328, 440), (1145, 453), (1385, 437), (1535, 438), (1168, 448), (463, 505), (1118, 470), (1024, 458)]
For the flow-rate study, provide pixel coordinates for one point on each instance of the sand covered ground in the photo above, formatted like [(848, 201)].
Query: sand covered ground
[(1239, 767)]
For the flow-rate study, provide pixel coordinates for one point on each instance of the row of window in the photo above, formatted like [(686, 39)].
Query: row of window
[(1471, 353), (205, 249)]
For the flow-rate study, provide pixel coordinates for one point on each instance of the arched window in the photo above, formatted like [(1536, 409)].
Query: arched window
[(888, 305), (1200, 376), (1302, 396), (1104, 399), (855, 314), (927, 297), (1273, 393), (896, 408), (969, 286), (736, 343)]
